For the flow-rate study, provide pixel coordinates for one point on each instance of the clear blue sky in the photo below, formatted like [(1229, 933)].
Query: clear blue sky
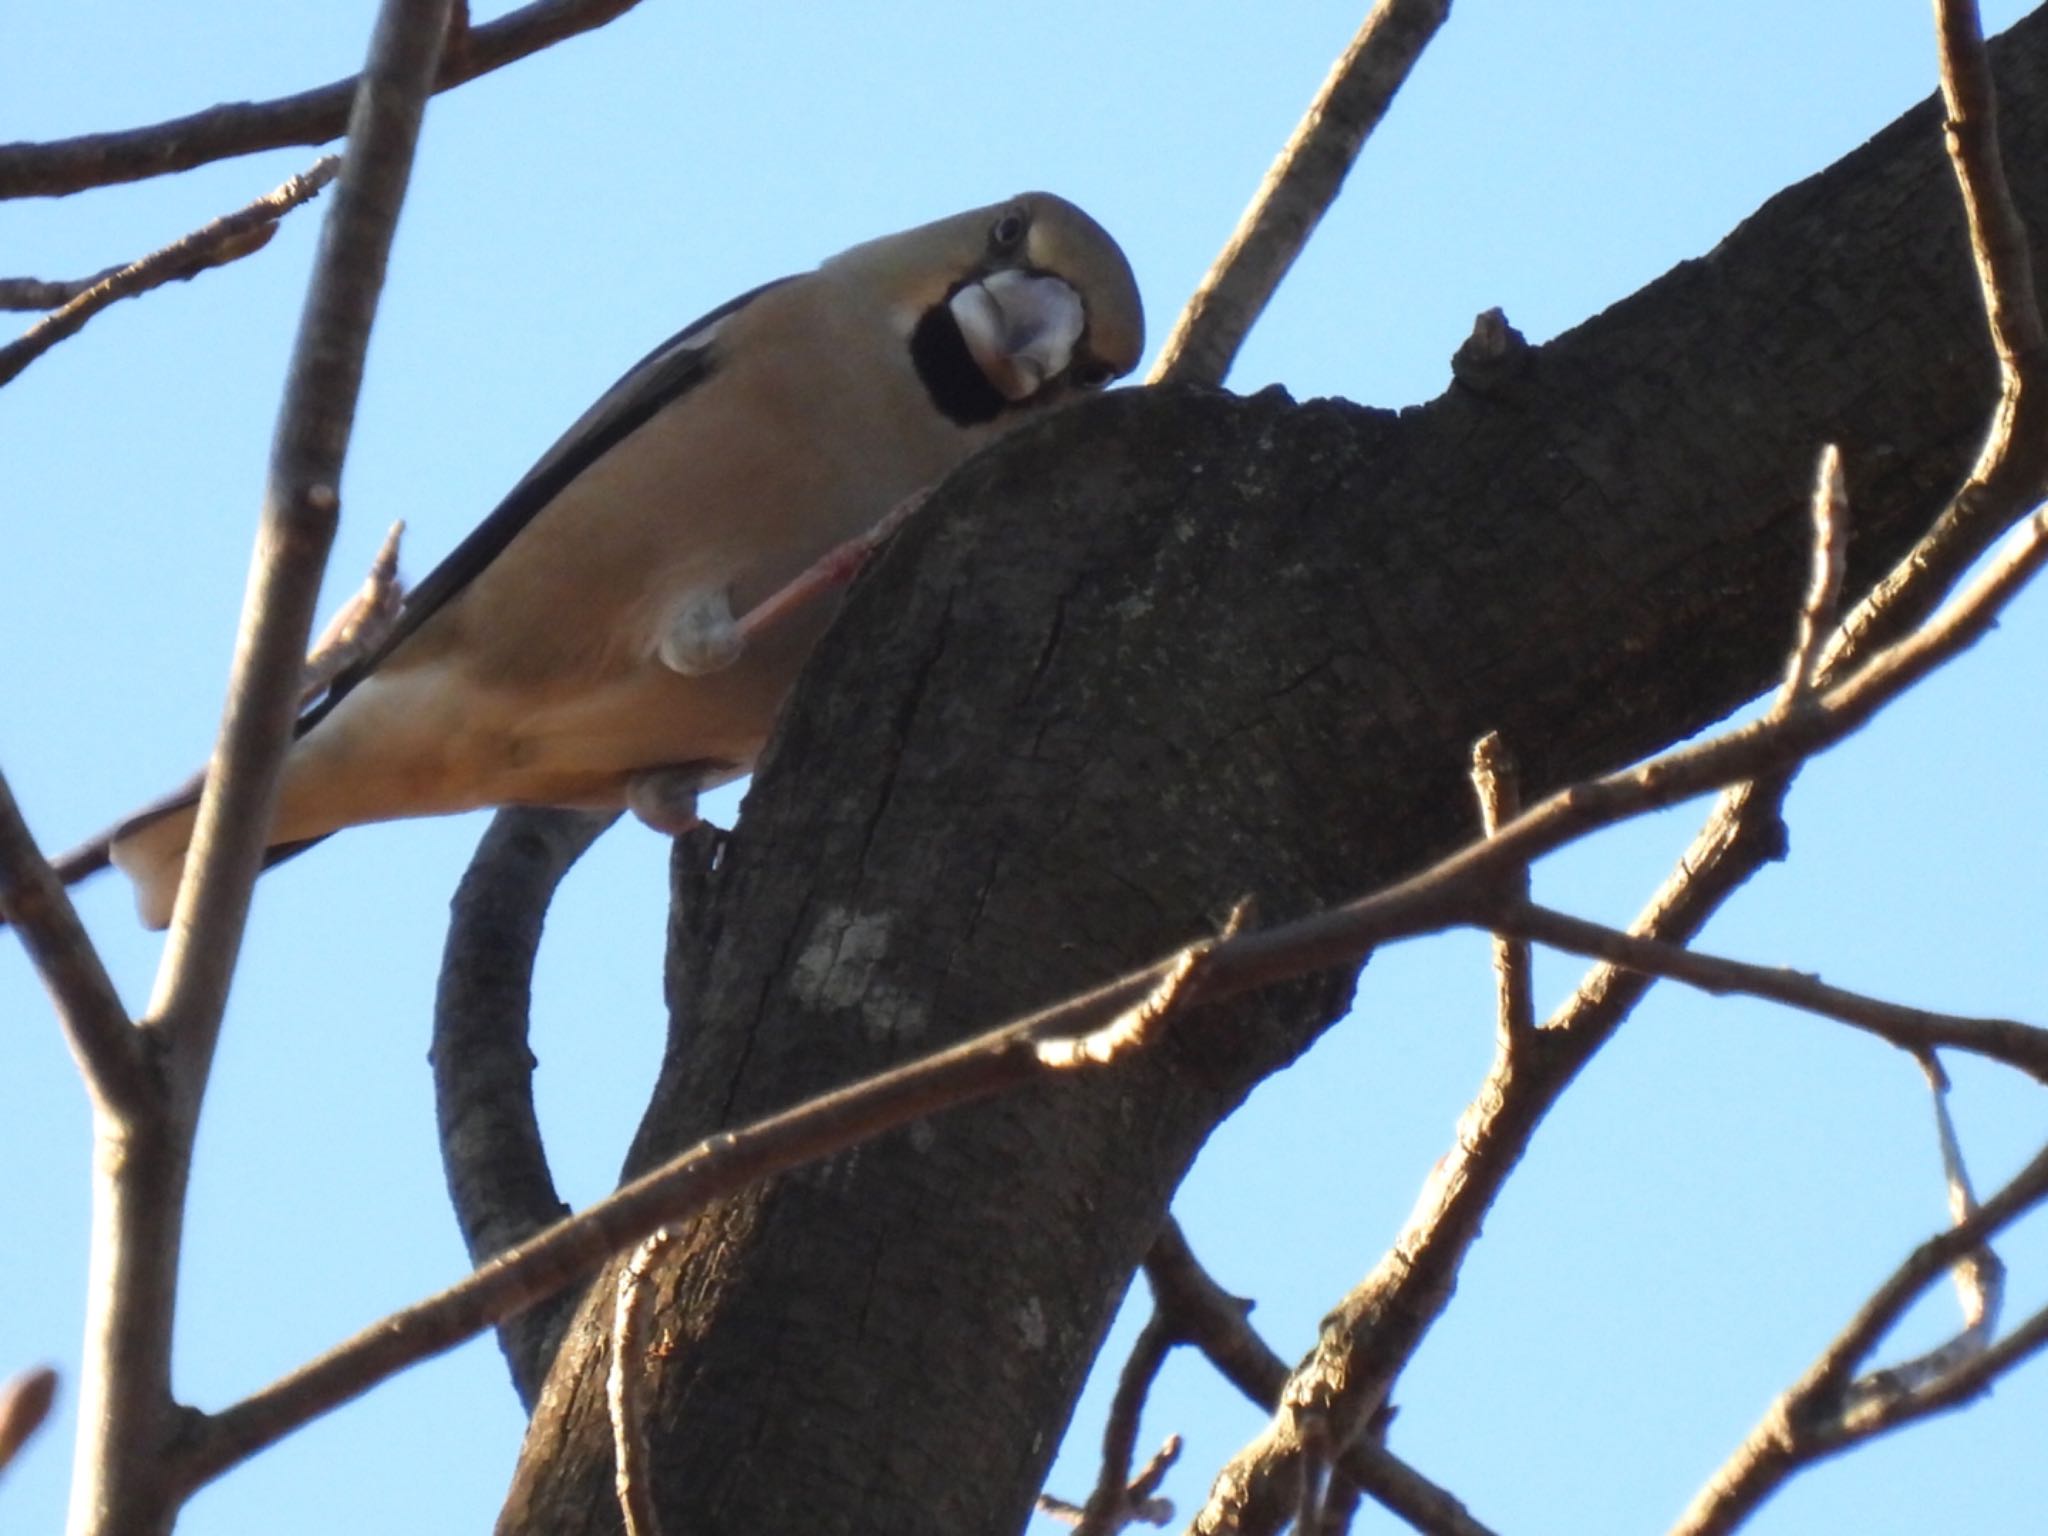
[(1712, 1200)]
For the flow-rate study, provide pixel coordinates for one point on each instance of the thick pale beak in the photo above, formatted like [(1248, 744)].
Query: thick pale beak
[(1020, 327)]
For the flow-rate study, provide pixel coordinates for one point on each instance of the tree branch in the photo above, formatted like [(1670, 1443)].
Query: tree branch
[(2007, 473), (1218, 1324), (25, 1402), (900, 890), (1118, 1499), (2014, 1044), (64, 166), (1998, 236), (1499, 787), (301, 505), (1827, 1411), (1030, 1050), (1298, 189), (103, 1043), (226, 239), (491, 1149), (127, 1416), (1821, 608), (1444, 894), (31, 293), (1374, 1330), (360, 624)]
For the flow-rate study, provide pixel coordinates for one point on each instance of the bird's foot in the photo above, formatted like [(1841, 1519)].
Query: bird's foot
[(834, 570), (701, 636), (666, 798)]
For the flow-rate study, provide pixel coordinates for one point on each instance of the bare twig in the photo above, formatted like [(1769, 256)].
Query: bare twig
[(1137, 1503), (1119, 1500), (1135, 1026), (1979, 1276), (30, 293), (626, 1389), (1817, 614), (1499, 786), (311, 117), (1299, 188), (228, 238), (491, 1150), (1828, 1409), (2007, 1041), (1001, 1060), (24, 1403), (1217, 1323), (1998, 236), (1142, 1496), (128, 1420), (1375, 1329), (360, 624), (1830, 1377), (106, 1047)]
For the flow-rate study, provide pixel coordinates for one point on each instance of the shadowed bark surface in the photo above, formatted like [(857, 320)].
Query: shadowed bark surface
[(1162, 652)]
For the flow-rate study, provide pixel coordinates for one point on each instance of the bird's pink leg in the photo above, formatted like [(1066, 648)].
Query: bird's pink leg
[(837, 568)]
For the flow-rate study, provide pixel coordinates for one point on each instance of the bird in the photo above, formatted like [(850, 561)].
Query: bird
[(587, 645)]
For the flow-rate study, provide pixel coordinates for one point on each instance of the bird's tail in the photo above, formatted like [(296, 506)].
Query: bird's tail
[(147, 846)]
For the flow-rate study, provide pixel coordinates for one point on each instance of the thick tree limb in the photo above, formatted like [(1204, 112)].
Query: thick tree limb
[(1371, 1333), (1231, 644), (311, 117)]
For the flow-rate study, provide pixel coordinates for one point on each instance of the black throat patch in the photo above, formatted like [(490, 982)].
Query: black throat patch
[(951, 377)]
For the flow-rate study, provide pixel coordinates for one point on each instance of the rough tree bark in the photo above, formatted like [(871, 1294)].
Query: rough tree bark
[(1163, 652)]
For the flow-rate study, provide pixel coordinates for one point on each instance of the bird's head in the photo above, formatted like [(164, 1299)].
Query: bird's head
[(1020, 304)]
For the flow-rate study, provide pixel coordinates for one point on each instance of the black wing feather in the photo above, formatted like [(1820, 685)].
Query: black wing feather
[(664, 375)]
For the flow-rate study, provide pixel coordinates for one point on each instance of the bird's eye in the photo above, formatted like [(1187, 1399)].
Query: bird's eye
[(1090, 374), (1008, 231)]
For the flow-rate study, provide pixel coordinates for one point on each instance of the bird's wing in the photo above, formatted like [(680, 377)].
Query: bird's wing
[(670, 371)]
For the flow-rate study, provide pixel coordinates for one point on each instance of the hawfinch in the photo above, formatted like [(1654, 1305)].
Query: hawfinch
[(580, 648)]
